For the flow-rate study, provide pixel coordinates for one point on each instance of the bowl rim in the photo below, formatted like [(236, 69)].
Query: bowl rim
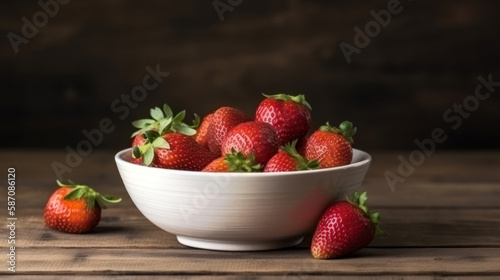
[(365, 160)]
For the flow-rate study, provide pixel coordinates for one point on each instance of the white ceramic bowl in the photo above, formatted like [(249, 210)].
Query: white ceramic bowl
[(238, 211)]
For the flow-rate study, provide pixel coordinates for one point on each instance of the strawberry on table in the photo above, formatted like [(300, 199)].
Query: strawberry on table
[(345, 227), (288, 114), (331, 146), (288, 159), (173, 151), (233, 162), (163, 121), (223, 120), (75, 208), (253, 137)]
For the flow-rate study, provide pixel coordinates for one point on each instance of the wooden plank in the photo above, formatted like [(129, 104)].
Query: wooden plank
[(445, 180), (371, 261), (249, 276), (451, 166), (413, 194), (431, 194), (127, 228)]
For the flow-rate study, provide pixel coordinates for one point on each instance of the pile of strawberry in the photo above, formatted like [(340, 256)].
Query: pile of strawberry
[(227, 140)]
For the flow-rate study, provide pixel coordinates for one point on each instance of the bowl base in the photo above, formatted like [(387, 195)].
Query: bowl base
[(220, 245)]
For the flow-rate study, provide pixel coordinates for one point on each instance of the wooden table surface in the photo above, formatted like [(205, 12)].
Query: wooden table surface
[(444, 222)]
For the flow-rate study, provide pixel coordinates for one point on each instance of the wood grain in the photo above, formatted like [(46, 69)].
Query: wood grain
[(127, 228), (443, 223), (289, 276), (440, 261)]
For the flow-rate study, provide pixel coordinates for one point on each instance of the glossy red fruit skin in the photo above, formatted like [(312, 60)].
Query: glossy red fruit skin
[(184, 154), (281, 162), (202, 134), (223, 120), (138, 141), (342, 229), (254, 137), (217, 165), (329, 148), (72, 215), (290, 119)]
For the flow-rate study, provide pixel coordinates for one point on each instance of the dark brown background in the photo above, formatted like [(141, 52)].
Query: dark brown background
[(395, 91)]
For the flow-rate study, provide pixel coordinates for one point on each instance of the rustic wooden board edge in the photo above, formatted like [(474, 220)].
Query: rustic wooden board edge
[(243, 276), (369, 262)]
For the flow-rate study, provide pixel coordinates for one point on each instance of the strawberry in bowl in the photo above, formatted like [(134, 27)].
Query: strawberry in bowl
[(227, 185)]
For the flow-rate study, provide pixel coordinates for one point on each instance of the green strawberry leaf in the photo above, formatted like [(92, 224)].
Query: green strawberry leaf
[(299, 99), (164, 122), (180, 116), (303, 164), (160, 142), (148, 156), (346, 129), (76, 193), (83, 191), (196, 121), (164, 125), (111, 199), (157, 113), (168, 111), (151, 135), (136, 152), (143, 123), (239, 163), (184, 129), (359, 200)]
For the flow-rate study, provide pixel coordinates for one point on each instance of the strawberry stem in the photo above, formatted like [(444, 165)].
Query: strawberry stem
[(359, 200), (346, 129), (303, 163), (239, 163), (164, 121), (300, 99), (83, 191)]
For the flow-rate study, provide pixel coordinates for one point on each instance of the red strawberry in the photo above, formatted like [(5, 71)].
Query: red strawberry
[(202, 132), (331, 146), (288, 159), (345, 227), (234, 162), (224, 119), (289, 115), (163, 121), (254, 137), (75, 208), (173, 151)]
